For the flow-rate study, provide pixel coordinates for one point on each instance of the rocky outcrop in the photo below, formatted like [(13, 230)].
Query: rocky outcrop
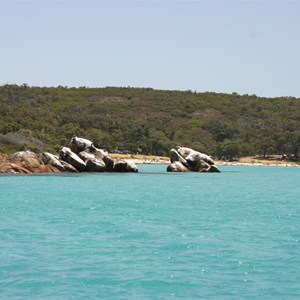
[(185, 159), (93, 156), (10, 168), (80, 156), (84, 156), (26, 162)]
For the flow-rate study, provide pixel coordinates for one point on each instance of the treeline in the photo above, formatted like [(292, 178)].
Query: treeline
[(148, 121)]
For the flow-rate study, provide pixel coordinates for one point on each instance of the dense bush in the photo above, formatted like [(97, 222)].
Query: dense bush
[(148, 121)]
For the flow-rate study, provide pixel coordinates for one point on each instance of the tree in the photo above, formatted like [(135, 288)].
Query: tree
[(228, 149), (159, 143), (265, 145)]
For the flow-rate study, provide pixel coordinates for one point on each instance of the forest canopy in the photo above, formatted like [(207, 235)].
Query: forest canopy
[(148, 121)]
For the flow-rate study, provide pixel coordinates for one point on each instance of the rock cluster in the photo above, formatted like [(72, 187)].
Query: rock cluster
[(188, 160), (80, 156)]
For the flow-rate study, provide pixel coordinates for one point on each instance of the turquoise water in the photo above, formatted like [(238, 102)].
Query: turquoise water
[(151, 235)]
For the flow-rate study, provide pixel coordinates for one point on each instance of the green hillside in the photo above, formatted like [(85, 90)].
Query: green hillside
[(148, 121)]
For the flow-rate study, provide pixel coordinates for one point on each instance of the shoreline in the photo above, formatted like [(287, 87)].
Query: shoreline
[(256, 164), (221, 163), (245, 161)]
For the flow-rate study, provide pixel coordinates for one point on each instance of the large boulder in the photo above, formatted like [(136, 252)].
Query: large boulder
[(177, 166), (109, 163), (93, 164), (191, 155), (101, 154), (84, 155), (53, 160), (26, 159), (73, 159), (78, 144), (125, 166), (183, 158)]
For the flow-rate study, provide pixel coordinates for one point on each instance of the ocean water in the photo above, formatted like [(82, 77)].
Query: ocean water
[(151, 235)]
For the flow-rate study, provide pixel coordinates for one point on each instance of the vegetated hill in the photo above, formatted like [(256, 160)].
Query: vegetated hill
[(148, 121)]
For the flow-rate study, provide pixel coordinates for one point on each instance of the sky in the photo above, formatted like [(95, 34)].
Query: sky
[(247, 47)]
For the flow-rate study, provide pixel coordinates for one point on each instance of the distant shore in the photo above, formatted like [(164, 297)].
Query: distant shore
[(272, 161), (263, 164), (243, 161)]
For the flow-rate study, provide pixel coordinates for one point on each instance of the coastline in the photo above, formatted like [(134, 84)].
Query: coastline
[(163, 160), (256, 164), (243, 161)]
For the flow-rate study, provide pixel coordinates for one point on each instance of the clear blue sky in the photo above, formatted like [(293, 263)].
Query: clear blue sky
[(248, 47)]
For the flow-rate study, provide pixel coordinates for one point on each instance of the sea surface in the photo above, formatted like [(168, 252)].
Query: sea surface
[(151, 235)]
